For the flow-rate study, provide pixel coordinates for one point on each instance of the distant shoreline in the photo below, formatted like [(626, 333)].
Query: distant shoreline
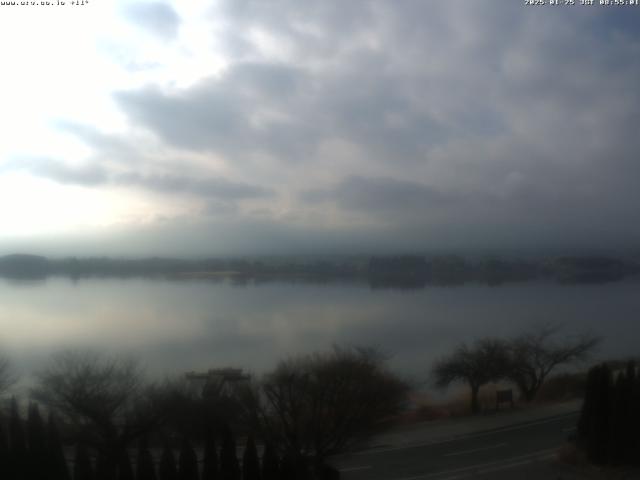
[(393, 271)]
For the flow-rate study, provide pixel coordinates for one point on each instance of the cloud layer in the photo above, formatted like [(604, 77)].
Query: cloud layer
[(430, 124)]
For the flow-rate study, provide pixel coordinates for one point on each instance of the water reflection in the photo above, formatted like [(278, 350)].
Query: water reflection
[(193, 324)]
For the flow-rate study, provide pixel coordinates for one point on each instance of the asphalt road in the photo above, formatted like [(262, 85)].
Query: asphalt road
[(514, 447)]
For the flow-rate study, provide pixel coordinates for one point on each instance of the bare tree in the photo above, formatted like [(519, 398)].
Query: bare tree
[(103, 397), (483, 362), (534, 355), (317, 405)]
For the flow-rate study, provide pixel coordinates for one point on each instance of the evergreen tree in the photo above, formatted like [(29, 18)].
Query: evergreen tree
[(289, 467), (250, 462), (325, 471), (125, 471), (630, 371), (5, 471), (18, 445), (629, 436), (104, 468), (616, 444), (586, 420), (35, 430), (597, 441), (295, 467), (270, 467), (210, 464), (229, 467), (610, 416), (82, 469), (634, 419), (144, 468), (167, 470), (37, 441), (57, 463), (188, 462)]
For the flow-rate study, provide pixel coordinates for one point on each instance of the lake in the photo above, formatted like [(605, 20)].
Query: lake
[(176, 326)]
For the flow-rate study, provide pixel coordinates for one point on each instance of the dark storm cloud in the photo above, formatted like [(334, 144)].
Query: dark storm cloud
[(310, 27), (288, 112), (379, 194), (121, 152), (106, 145), (248, 109), (90, 175), (377, 88), (85, 175), (203, 187), (197, 120), (472, 119), (158, 18)]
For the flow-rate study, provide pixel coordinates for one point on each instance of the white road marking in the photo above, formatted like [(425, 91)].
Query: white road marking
[(464, 452), (498, 468), (353, 469), (374, 450), (507, 466), (495, 465)]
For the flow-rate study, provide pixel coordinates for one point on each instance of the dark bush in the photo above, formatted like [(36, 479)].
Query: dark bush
[(210, 469), (188, 462), (250, 462)]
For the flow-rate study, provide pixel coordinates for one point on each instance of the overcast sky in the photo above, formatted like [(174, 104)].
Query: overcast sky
[(287, 126)]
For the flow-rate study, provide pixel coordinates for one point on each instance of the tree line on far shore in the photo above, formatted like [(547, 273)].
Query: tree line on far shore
[(388, 271)]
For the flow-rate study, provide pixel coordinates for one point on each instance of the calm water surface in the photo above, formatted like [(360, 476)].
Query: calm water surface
[(174, 326)]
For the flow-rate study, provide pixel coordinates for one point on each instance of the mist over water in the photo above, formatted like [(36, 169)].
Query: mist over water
[(177, 326)]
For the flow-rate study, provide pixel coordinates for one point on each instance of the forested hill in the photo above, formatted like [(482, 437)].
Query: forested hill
[(402, 271)]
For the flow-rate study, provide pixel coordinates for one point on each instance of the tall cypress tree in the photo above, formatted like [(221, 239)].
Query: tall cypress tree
[(327, 472), (125, 471), (586, 420), (5, 471), (616, 444), (35, 430), (597, 446), (630, 371), (634, 418), (270, 464), (187, 462), (36, 439), (632, 426), (610, 416), (18, 445), (250, 462), (145, 469), (57, 463), (210, 469), (167, 469), (82, 469), (105, 467), (289, 468), (102, 471), (229, 467)]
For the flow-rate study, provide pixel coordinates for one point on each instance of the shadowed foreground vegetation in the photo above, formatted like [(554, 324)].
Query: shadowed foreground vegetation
[(114, 425), (609, 422), (105, 422), (525, 361)]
